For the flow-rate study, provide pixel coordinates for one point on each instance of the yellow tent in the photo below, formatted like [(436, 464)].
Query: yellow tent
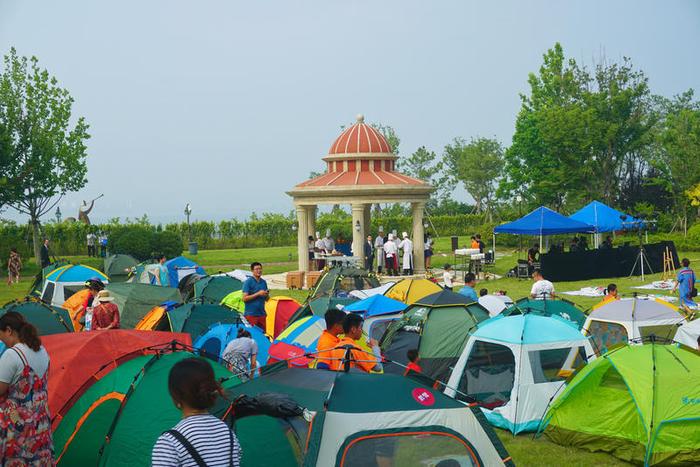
[(410, 291)]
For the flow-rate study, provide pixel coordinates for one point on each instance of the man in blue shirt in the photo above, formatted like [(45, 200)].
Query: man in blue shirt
[(468, 289), (255, 293)]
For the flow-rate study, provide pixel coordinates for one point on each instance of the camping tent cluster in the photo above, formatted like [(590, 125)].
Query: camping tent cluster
[(537, 365)]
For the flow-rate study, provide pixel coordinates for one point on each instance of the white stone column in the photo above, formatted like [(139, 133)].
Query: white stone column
[(311, 220), (302, 238), (358, 214), (418, 244)]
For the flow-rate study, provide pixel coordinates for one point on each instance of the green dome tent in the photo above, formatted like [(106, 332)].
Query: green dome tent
[(340, 281), (46, 318), (119, 267), (438, 326), (195, 318), (213, 289), (353, 418), (135, 300), (234, 301), (549, 307), (640, 403), (117, 420)]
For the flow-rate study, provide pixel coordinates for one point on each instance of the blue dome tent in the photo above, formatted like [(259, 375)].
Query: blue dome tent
[(213, 342), (181, 267)]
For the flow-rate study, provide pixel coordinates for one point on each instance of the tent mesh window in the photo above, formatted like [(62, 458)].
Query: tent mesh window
[(408, 449), (551, 365), (69, 290), (489, 374), (606, 334), (665, 331), (48, 292), (378, 328)]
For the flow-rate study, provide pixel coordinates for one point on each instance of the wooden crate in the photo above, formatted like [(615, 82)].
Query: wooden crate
[(312, 278), (295, 280)]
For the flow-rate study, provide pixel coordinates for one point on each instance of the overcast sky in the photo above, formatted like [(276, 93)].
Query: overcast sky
[(228, 104)]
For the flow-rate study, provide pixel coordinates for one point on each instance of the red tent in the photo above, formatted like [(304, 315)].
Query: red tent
[(279, 309), (78, 359)]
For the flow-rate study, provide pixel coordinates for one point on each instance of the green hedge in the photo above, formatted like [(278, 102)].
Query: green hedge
[(274, 230)]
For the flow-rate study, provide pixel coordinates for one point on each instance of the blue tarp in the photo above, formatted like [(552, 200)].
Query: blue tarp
[(183, 263), (376, 305), (543, 221), (604, 218)]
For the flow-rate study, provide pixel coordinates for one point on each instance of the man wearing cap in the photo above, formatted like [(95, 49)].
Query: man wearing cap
[(390, 252), (106, 314), (379, 247), (407, 260)]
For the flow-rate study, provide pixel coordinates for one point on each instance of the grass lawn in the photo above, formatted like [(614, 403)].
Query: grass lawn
[(525, 450)]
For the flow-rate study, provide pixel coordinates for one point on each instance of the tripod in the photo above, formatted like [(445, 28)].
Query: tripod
[(641, 260)]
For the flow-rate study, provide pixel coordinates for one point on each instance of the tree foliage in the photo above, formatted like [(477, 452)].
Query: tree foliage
[(579, 136), (427, 166), (477, 165), (44, 151)]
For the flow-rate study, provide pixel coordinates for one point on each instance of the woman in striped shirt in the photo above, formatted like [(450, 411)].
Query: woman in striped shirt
[(199, 439)]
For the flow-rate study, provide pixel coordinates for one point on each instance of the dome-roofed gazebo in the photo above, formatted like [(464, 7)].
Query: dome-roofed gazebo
[(360, 171)]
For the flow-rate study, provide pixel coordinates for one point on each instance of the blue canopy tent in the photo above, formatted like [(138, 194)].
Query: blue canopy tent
[(603, 218), (543, 221)]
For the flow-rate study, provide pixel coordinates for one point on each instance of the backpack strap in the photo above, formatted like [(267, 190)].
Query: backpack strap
[(233, 446), (188, 446)]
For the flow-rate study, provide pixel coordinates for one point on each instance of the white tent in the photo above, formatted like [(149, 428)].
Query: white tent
[(495, 303), (629, 319), (688, 334), (514, 365)]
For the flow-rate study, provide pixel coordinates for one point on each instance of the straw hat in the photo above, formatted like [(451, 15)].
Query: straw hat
[(104, 296)]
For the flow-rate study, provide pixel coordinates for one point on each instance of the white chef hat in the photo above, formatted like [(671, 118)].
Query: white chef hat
[(405, 235)]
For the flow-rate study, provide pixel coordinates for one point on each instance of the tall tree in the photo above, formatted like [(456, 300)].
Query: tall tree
[(426, 165), (477, 165), (552, 138), (622, 127), (679, 154), (46, 149)]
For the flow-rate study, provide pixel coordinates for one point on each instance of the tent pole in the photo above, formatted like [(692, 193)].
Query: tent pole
[(494, 248)]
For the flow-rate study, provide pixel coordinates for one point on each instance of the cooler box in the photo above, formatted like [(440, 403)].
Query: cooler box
[(295, 280), (312, 278)]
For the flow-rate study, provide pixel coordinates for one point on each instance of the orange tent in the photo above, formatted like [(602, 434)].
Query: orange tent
[(279, 309), (76, 304), (80, 359)]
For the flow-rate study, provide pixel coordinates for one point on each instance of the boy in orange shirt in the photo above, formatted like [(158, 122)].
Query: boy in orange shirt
[(347, 347), (329, 338), (413, 360)]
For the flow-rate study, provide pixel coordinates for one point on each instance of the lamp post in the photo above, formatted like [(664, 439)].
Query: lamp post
[(188, 211)]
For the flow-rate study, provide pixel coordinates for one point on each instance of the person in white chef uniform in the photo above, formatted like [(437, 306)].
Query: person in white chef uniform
[(391, 251), (407, 246)]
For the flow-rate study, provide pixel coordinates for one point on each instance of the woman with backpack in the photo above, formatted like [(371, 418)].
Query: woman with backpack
[(199, 439)]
